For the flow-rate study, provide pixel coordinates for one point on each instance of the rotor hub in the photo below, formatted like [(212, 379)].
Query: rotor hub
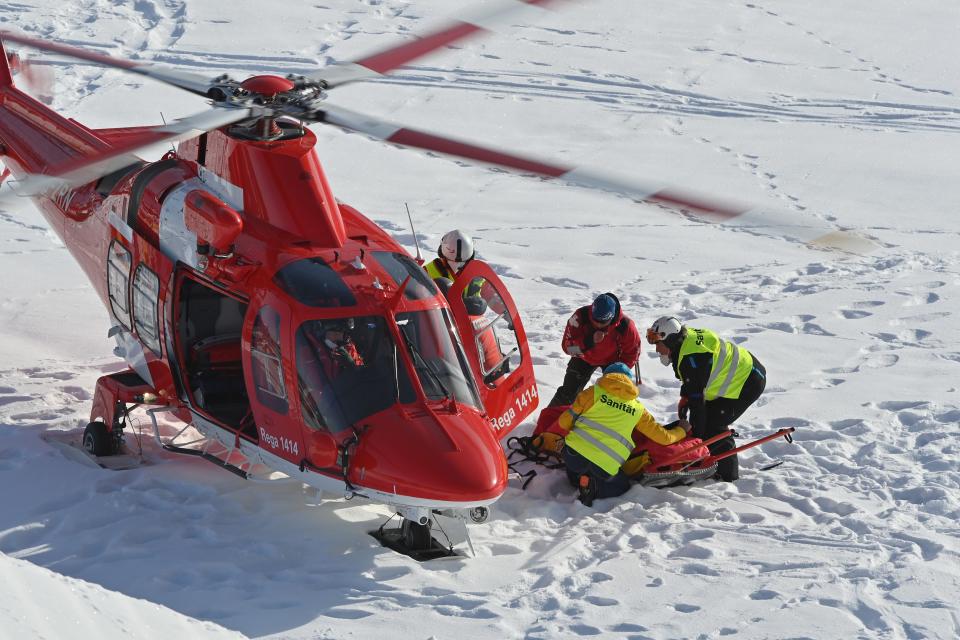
[(267, 85)]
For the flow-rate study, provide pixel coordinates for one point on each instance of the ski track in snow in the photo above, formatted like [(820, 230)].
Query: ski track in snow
[(855, 535), (632, 96)]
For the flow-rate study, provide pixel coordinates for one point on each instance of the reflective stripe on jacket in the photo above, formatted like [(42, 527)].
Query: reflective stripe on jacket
[(731, 363), (603, 434), (437, 269)]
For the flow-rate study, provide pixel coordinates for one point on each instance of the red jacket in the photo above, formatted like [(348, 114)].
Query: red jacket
[(619, 341)]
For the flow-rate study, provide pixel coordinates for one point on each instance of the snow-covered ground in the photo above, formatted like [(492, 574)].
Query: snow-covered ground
[(846, 111)]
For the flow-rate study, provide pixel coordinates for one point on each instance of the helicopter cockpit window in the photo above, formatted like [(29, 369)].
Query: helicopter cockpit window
[(313, 282), (400, 267), (437, 356), (493, 333), (146, 290), (118, 279), (267, 364), (348, 369)]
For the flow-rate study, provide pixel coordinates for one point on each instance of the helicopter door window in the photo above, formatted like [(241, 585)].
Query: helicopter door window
[(493, 333), (313, 282), (401, 267), (146, 289), (437, 356), (266, 361), (347, 370), (118, 280)]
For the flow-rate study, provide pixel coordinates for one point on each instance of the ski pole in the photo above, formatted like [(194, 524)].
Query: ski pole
[(671, 460), (785, 433)]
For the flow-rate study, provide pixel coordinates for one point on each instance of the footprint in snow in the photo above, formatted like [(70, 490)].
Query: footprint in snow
[(36, 372), (827, 383), (853, 314), (691, 536), (692, 551), (697, 569), (13, 399), (566, 282), (503, 549), (597, 601), (585, 630), (880, 361)]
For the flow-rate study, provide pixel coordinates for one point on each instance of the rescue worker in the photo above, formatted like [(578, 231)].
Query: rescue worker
[(453, 254), (719, 380), (598, 434), (596, 336)]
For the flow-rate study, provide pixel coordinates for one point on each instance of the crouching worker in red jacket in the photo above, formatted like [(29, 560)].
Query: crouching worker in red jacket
[(596, 336), (598, 434)]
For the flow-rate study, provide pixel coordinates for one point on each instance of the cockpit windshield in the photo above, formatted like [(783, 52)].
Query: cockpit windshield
[(437, 357), (400, 268), (348, 369)]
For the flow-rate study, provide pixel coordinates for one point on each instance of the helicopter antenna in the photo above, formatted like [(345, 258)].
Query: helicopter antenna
[(414, 231), (164, 120)]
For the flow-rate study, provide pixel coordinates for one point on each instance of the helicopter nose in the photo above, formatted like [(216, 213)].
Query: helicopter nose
[(441, 457)]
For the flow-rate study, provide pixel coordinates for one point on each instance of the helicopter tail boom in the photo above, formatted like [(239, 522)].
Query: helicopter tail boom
[(35, 137)]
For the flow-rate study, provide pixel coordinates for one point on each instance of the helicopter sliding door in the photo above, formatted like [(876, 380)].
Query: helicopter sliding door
[(209, 323), (496, 346)]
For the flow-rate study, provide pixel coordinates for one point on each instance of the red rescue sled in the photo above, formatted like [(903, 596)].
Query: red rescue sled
[(681, 463)]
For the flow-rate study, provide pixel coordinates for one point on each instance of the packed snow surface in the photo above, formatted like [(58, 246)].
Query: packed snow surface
[(847, 112)]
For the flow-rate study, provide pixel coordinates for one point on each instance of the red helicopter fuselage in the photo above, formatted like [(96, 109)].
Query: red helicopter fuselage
[(226, 265)]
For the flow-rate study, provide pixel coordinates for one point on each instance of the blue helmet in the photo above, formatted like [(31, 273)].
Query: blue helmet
[(618, 367), (604, 308)]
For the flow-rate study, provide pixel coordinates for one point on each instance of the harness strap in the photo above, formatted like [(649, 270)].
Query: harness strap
[(522, 447)]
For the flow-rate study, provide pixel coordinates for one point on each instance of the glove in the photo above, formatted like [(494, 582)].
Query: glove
[(548, 442), (684, 424), (574, 350), (635, 465), (682, 408)]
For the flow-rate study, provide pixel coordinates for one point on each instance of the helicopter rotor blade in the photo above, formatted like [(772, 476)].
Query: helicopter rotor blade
[(198, 85), (764, 221), (86, 169), (387, 60)]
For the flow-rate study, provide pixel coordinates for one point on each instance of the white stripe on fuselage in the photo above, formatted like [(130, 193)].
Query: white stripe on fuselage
[(176, 241)]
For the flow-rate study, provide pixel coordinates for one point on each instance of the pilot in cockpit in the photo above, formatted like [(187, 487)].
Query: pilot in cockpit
[(336, 351)]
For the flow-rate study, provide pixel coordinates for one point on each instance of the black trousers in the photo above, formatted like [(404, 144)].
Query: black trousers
[(577, 376), (723, 412)]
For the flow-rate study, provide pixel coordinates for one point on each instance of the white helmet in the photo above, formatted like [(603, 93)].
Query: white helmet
[(456, 247), (664, 327)]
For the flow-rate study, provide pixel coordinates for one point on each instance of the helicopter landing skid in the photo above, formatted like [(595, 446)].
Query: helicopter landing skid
[(210, 449), (70, 444), (413, 539)]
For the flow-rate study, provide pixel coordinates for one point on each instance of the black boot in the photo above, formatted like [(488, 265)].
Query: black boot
[(729, 468), (587, 490)]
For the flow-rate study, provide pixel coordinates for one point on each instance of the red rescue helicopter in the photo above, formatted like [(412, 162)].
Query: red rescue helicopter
[(237, 284)]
